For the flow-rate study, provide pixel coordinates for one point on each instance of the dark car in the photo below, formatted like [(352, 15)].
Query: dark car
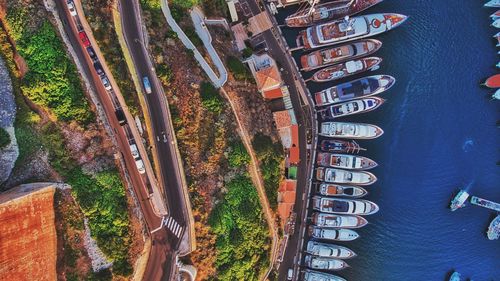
[(98, 68), (92, 54)]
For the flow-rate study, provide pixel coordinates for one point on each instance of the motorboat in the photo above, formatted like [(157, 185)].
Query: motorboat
[(493, 4), (311, 275), (359, 88), (344, 161), (351, 107), (332, 175), (346, 69), (328, 189), (493, 81), (455, 276), (496, 23), (336, 9), (350, 130), (340, 146), (348, 29), (327, 264), (495, 15), (333, 233), (342, 53), (344, 206), (497, 37), (494, 229), (329, 250), (459, 200), (338, 221)]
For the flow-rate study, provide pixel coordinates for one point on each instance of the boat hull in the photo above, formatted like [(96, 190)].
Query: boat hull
[(350, 108), (338, 221), (345, 161), (343, 70), (329, 264), (344, 206), (338, 54), (350, 130), (311, 275), (333, 234), (340, 146), (355, 89), (333, 175), (336, 190), (329, 250), (493, 81)]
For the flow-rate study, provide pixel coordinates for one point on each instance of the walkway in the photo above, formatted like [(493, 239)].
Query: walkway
[(204, 35)]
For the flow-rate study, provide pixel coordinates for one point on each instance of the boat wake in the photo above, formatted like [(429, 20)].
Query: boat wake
[(468, 145)]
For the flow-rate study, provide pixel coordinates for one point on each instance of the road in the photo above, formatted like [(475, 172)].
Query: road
[(159, 252), (166, 152), (306, 120)]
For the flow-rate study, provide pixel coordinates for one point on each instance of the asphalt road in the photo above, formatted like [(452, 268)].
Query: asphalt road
[(305, 118), (162, 249), (165, 151)]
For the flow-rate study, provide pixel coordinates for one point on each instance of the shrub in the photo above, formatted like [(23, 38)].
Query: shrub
[(210, 98), (239, 70), (193, 36), (238, 156), (4, 138), (247, 52)]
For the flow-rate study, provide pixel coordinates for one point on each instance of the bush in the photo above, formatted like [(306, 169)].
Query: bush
[(247, 52), (238, 156), (242, 236), (210, 98), (239, 70), (52, 80), (4, 138), (270, 156), (193, 36)]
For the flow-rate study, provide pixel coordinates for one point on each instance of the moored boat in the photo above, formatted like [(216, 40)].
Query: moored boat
[(455, 276), (459, 200), (493, 81), (329, 250), (497, 37), (333, 175), (351, 107), (350, 51), (344, 206), (350, 130), (340, 146), (338, 221), (344, 161), (493, 4), (327, 189), (346, 69), (495, 15), (494, 228), (328, 11), (311, 275), (496, 23), (332, 233), (363, 87), (348, 29), (324, 263)]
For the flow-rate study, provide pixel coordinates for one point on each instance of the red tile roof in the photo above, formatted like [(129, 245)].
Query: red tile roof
[(273, 94), (268, 78), (282, 119), (294, 155)]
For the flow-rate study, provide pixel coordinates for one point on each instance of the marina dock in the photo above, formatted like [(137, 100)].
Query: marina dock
[(485, 203)]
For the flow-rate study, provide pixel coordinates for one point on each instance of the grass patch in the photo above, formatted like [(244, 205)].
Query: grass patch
[(238, 155), (242, 237), (238, 69), (270, 156), (4, 138)]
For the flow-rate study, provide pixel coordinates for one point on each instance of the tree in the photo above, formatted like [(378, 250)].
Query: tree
[(4, 138)]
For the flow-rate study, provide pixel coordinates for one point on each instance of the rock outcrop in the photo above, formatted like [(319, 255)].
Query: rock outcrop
[(28, 245)]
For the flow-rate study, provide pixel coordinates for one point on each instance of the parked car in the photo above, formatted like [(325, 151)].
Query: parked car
[(140, 166), (84, 38), (147, 85), (92, 54), (71, 8), (105, 82), (98, 68)]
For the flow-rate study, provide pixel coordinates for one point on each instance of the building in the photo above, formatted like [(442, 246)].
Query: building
[(286, 198), (232, 10), (266, 72)]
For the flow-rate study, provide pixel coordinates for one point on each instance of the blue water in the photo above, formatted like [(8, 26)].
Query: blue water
[(440, 135)]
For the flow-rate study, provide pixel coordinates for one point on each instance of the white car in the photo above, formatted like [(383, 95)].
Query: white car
[(105, 82), (71, 8)]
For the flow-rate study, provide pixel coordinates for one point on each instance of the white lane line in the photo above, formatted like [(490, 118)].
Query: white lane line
[(174, 229), (180, 231)]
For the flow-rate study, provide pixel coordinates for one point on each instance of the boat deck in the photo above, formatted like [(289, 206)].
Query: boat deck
[(485, 203)]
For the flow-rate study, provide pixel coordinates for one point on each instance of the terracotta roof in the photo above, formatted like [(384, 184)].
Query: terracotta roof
[(268, 78), (273, 94), (286, 136), (288, 185), (294, 155), (284, 211), (282, 119)]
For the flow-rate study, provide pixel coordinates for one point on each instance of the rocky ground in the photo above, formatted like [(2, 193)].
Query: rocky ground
[(8, 154)]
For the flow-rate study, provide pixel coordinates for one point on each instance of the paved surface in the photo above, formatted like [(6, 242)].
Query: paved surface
[(166, 153), (305, 119), (217, 81), (161, 250)]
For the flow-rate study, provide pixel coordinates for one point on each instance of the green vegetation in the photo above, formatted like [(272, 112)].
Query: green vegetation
[(242, 238), (4, 138), (164, 73), (210, 98), (270, 156), (185, 4), (239, 70), (247, 52), (52, 81), (215, 8), (193, 36), (238, 156)]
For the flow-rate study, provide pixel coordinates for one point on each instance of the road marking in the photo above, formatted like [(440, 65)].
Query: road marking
[(173, 226)]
